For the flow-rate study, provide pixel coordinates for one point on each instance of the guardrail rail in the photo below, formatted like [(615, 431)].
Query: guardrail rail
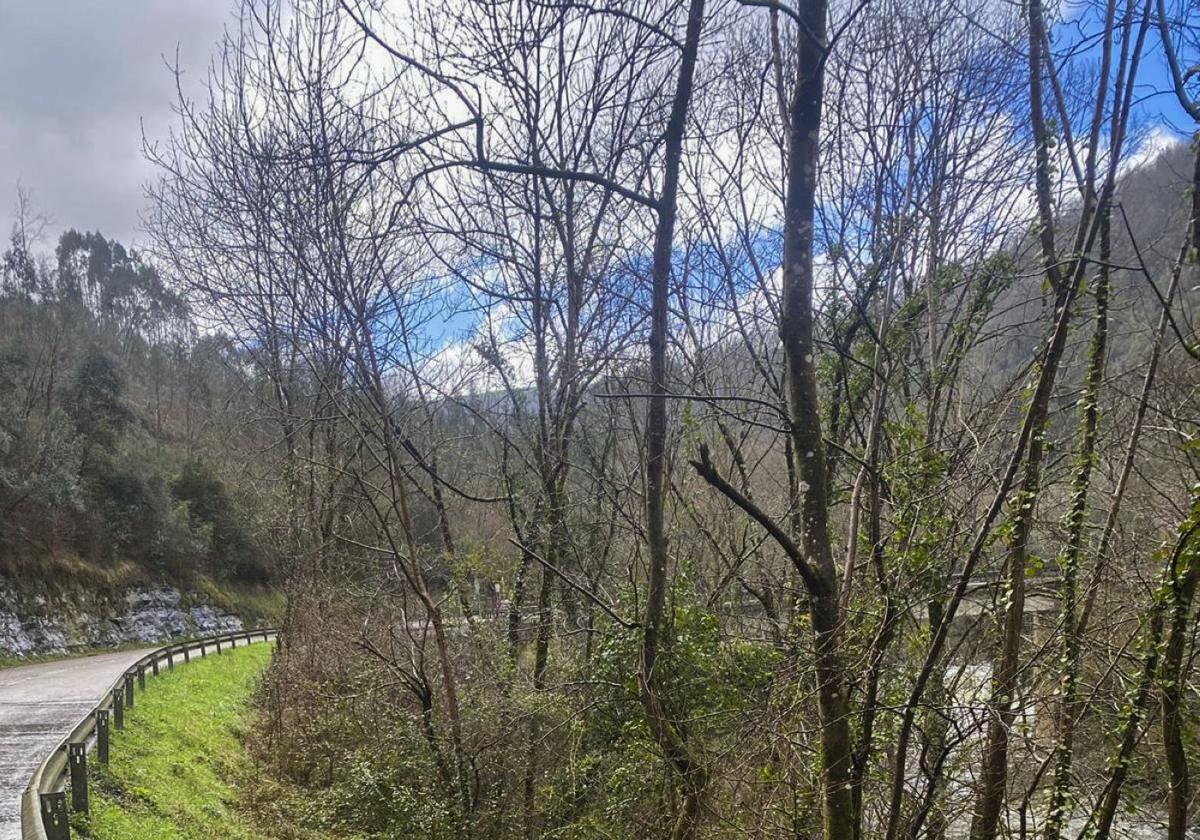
[(44, 811)]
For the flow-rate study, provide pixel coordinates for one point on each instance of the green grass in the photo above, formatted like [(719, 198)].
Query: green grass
[(177, 767), (255, 604)]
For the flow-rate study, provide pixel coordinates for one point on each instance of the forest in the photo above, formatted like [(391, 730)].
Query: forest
[(111, 408), (666, 418)]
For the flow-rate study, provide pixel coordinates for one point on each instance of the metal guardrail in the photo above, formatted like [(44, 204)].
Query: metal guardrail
[(44, 813)]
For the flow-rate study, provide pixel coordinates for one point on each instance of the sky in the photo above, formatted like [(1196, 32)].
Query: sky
[(1156, 107), (80, 79), (84, 78)]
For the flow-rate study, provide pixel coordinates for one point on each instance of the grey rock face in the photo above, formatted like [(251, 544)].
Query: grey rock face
[(77, 622), (210, 622)]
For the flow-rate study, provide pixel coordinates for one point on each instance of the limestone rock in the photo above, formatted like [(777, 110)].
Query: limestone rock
[(78, 621)]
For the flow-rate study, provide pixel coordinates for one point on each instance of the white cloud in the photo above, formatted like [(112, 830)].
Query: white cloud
[(495, 354), (1156, 141)]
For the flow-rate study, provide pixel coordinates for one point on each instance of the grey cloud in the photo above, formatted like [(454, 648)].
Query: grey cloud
[(77, 80)]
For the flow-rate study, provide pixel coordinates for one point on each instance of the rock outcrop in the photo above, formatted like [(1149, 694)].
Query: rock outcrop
[(76, 622)]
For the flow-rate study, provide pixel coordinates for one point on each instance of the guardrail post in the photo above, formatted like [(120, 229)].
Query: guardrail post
[(55, 822), (102, 735), (54, 816), (77, 757)]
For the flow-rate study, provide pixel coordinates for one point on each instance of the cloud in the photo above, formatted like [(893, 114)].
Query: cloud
[(1156, 141), (81, 78), (473, 364)]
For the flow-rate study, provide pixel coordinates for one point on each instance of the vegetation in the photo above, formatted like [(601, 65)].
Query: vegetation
[(713, 420), (668, 418), (111, 405), (178, 768)]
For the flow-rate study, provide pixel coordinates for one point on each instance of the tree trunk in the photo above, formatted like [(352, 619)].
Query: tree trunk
[(1076, 519), (796, 332), (671, 739), (1173, 680), (1172, 685)]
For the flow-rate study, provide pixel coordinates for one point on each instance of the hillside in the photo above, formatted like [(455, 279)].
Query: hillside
[(124, 513)]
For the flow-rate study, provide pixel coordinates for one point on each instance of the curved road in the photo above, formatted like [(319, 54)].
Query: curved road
[(39, 706)]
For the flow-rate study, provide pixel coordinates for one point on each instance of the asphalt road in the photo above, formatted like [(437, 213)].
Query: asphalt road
[(39, 706)]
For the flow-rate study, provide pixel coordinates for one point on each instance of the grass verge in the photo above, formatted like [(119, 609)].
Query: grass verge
[(177, 767)]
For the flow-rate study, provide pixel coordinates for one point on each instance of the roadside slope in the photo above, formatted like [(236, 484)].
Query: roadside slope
[(176, 768)]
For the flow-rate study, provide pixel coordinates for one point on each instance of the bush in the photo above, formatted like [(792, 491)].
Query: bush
[(232, 551)]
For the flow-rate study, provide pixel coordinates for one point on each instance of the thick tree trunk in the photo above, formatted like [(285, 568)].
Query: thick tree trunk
[(797, 335), (1076, 519), (1172, 685), (934, 749), (990, 802), (541, 655), (1173, 678), (1177, 566), (1076, 613), (672, 740)]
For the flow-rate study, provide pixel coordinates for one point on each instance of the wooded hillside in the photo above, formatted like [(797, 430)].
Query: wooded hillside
[(117, 426)]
